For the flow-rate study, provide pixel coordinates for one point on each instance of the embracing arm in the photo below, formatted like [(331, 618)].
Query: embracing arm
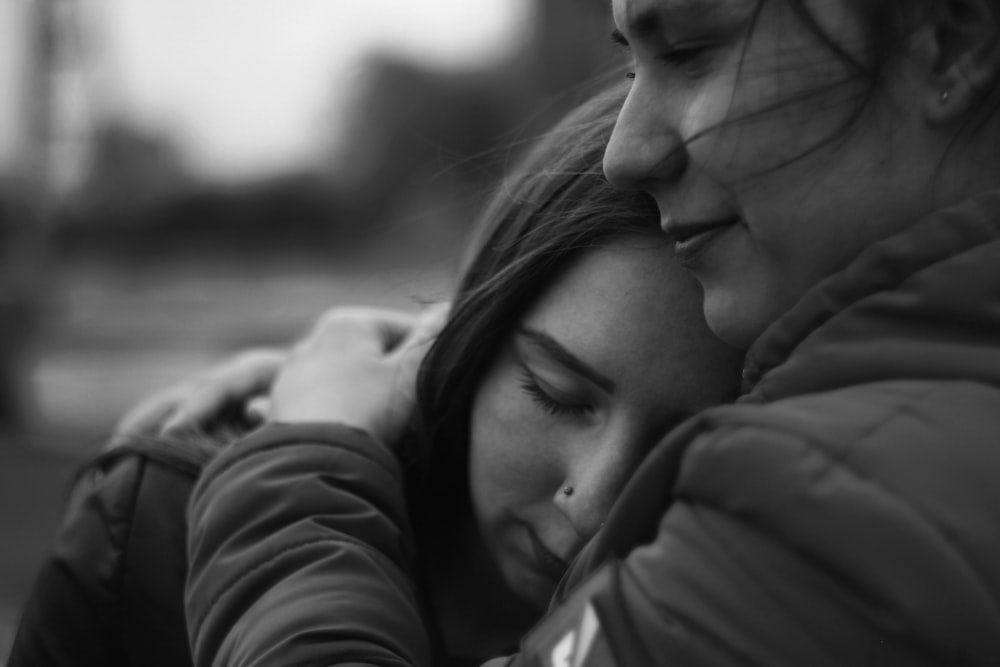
[(757, 536), (316, 576), (299, 541)]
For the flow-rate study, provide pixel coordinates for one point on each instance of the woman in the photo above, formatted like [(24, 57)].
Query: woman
[(521, 468), (827, 171)]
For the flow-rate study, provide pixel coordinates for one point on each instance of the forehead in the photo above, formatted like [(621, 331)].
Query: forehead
[(641, 18), (632, 313), (626, 296)]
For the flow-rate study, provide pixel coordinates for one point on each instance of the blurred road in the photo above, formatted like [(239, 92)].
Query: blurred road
[(114, 334)]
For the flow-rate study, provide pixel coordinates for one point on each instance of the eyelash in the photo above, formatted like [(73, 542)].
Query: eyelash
[(546, 402), (683, 55), (679, 57)]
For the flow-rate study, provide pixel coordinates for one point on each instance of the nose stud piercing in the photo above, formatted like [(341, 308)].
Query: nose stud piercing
[(567, 491), (945, 95)]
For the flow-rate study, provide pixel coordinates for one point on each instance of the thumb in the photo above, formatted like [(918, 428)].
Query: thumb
[(418, 338), (411, 351)]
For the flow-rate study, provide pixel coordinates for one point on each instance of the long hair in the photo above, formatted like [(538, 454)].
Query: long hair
[(554, 205), (887, 27)]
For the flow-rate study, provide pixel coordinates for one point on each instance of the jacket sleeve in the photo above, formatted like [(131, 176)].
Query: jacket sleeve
[(745, 538), (70, 617), (300, 553)]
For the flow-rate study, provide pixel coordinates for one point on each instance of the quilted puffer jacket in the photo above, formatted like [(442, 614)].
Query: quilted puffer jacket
[(846, 511), (112, 589)]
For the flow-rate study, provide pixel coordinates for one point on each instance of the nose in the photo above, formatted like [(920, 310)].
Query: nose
[(595, 479), (646, 147)]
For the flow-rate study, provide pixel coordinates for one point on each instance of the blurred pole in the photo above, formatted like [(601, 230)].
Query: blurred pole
[(25, 201)]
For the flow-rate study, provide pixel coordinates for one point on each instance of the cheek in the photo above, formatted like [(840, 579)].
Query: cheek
[(508, 464), (706, 112), (790, 87)]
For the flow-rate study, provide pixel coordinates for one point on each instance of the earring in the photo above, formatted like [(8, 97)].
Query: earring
[(945, 96), (567, 491)]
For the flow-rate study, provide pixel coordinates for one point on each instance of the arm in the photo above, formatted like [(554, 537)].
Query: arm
[(224, 394), (316, 576), (810, 533), (299, 541), (756, 538), (235, 390)]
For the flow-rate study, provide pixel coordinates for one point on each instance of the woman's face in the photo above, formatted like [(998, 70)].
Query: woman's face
[(735, 124), (612, 355)]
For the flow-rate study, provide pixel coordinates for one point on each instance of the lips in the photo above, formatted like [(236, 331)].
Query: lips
[(692, 240), (549, 564)]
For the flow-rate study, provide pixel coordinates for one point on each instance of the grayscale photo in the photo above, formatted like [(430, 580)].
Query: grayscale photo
[(500, 333)]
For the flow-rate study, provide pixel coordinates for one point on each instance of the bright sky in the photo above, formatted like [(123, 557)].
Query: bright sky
[(11, 44), (247, 85)]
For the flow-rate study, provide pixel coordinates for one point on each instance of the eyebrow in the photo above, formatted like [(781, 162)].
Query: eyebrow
[(564, 357)]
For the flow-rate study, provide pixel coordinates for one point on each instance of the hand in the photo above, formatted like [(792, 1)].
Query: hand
[(359, 368), (204, 400)]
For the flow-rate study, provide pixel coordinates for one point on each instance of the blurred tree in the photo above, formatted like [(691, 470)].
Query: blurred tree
[(421, 146), (138, 201), (131, 171), (25, 179)]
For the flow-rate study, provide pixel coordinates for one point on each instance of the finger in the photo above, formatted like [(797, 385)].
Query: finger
[(258, 410), (199, 409), (434, 317), (431, 320), (146, 418), (251, 373), (377, 329), (410, 354)]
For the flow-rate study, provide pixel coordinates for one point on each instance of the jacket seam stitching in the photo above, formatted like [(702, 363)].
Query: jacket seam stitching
[(839, 459), (225, 464), (971, 246), (127, 544), (909, 408), (213, 602)]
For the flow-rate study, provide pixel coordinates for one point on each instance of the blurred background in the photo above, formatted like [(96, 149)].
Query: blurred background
[(181, 179)]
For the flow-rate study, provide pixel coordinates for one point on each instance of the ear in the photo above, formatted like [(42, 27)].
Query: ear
[(958, 48)]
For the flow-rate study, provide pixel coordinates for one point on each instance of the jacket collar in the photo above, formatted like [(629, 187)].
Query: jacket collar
[(922, 304)]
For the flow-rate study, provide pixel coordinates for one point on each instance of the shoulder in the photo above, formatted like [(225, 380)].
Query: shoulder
[(866, 428), (923, 449), (99, 513), (124, 541), (880, 499), (113, 494), (111, 591)]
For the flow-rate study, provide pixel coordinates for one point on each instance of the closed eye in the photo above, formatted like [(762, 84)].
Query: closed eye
[(619, 40), (684, 55), (545, 401)]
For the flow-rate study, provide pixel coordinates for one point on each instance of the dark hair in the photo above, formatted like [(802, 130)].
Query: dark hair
[(888, 24), (555, 205)]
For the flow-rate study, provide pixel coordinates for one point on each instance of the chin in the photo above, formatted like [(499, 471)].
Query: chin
[(734, 320)]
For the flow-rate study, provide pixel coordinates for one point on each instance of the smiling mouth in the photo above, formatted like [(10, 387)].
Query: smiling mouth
[(549, 564), (692, 240)]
